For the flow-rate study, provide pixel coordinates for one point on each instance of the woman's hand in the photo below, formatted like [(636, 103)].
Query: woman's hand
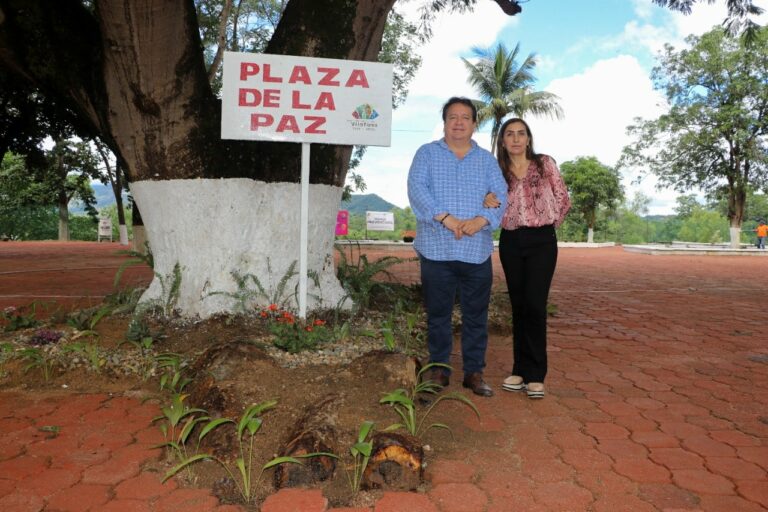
[(491, 201)]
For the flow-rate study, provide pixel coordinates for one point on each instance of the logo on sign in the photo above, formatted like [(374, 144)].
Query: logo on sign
[(364, 116), (365, 111)]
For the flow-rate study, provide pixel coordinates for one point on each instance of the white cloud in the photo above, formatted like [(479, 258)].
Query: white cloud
[(442, 73), (599, 104)]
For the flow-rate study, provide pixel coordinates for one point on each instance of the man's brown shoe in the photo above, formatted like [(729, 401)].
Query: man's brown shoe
[(475, 382), (439, 377)]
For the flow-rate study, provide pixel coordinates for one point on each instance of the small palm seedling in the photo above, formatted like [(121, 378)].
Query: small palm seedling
[(37, 358), (249, 423), (174, 431), (404, 403), (361, 454), (172, 378)]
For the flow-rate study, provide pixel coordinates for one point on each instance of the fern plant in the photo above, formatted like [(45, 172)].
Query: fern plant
[(358, 278)]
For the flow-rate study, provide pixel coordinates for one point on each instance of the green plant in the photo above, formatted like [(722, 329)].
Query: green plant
[(139, 258), (388, 333), (551, 309), (138, 329), (85, 320), (361, 454), (250, 290), (171, 286), (249, 423), (91, 352), (7, 352), (358, 278), (40, 359), (172, 378), (411, 335), (22, 317), (404, 403), (291, 334), (125, 300), (140, 337), (174, 432), (165, 304), (341, 331)]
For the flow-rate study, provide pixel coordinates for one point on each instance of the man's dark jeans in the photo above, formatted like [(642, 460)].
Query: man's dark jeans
[(440, 281)]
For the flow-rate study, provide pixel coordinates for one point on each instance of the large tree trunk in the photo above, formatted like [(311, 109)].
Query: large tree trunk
[(135, 71), (214, 228), (737, 199), (63, 217)]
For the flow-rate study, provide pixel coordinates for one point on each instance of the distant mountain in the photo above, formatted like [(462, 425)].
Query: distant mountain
[(361, 203), (104, 197)]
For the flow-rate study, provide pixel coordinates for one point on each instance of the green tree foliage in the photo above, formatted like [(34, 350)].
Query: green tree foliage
[(22, 216), (704, 226), (505, 87), (740, 15), (29, 198), (714, 135), (592, 186)]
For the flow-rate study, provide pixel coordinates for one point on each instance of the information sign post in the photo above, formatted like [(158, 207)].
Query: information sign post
[(284, 98)]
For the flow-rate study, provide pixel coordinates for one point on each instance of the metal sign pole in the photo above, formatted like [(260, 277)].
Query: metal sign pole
[(303, 234)]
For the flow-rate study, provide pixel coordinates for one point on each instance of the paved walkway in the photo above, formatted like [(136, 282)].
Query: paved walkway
[(657, 401)]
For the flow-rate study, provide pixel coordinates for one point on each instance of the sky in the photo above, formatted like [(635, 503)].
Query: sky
[(597, 56)]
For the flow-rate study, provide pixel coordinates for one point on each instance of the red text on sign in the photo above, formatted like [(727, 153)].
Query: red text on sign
[(325, 76), (289, 123)]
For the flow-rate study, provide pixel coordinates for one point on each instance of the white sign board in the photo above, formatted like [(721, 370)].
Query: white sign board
[(302, 99), (380, 221), (105, 226), (105, 229)]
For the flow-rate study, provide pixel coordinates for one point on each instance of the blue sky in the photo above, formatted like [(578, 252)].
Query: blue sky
[(595, 55)]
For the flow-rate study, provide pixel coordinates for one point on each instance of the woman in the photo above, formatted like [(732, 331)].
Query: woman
[(537, 203)]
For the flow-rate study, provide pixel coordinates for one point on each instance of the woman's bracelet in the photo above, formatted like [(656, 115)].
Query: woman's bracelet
[(444, 217)]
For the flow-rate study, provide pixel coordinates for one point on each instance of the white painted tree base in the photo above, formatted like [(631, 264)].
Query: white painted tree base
[(735, 233), (123, 230), (213, 227)]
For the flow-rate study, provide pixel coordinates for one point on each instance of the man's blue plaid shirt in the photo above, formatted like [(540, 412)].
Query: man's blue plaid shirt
[(439, 182)]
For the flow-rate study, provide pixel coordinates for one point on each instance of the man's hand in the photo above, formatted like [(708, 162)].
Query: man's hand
[(454, 225), (472, 226)]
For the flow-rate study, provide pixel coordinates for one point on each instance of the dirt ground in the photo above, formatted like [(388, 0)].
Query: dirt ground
[(229, 369)]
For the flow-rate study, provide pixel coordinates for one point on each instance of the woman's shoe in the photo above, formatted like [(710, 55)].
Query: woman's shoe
[(535, 389), (513, 383)]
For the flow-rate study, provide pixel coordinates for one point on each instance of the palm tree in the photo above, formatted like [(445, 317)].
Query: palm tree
[(507, 88)]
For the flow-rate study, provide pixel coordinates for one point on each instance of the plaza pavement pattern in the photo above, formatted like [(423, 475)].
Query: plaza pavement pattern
[(656, 401)]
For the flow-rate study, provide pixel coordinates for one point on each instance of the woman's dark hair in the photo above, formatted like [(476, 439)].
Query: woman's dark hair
[(463, 101), (502, 156)]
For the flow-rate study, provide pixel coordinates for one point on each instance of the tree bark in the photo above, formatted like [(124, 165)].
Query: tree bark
[(63, 217)]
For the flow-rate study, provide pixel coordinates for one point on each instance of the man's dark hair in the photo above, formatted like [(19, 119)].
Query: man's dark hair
[(463, 101)]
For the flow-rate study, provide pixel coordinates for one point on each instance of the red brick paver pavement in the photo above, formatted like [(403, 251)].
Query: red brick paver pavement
[(656, 401)]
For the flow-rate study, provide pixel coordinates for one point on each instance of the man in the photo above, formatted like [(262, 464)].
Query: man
[(762, 232), (446, 186)]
